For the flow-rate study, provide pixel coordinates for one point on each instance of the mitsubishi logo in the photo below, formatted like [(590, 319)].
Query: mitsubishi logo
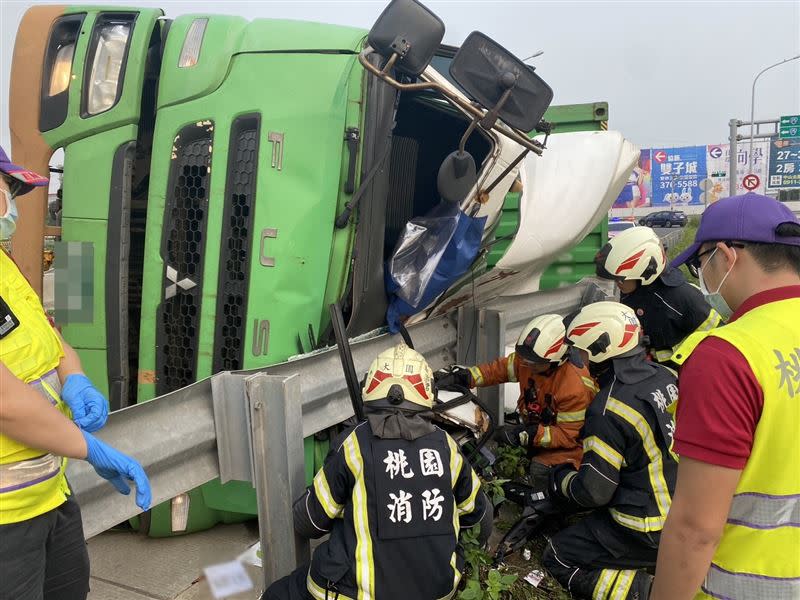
[(185, 284)]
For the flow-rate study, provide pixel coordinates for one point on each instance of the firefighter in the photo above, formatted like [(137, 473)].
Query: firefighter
[(668, 307), (554, 392), (628, 470), (42, 550), (394, 497)]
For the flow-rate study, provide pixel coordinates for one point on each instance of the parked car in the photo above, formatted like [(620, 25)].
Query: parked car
[(664, 218), (614, 227)]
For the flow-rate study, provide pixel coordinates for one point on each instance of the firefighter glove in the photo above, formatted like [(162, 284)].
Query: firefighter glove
[(560, 476), (116, 467), (89, 407), (516, 435), (453, 375)]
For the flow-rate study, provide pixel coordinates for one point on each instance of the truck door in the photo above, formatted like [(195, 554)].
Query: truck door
[(83, 79)]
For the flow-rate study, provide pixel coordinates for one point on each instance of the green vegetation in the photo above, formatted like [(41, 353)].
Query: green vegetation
[(512, 462), (482, 579)]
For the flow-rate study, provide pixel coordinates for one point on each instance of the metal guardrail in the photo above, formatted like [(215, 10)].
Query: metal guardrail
[(246, 425)]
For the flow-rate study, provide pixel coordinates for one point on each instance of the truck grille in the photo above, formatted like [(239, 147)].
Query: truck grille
[(182, 248), (235, 245)]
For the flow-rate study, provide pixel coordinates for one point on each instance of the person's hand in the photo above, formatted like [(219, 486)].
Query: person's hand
[(116, 467), (515, 435), (453, 375), (557, 475), (89, 407)]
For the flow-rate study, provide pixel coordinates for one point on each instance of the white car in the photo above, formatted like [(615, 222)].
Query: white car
[(615, 227)]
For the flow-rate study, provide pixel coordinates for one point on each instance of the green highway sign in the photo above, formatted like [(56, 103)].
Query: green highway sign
[(789, 132), (789, 127)]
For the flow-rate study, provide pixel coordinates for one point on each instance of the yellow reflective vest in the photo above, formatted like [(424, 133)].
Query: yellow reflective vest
[(759, 554), (32, 482)]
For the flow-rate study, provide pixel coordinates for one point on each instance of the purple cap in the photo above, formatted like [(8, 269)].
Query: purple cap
[(747, 218), (27, 179)]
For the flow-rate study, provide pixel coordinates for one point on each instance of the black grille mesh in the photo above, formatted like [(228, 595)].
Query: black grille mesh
[(183, 249), (235, 245)]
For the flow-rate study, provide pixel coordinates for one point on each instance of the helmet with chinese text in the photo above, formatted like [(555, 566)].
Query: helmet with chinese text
[(542, 340), (634, 254), (605, 330), (399, 374)]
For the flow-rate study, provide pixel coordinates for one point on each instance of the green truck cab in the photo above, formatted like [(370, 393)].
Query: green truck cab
[(210, 163)]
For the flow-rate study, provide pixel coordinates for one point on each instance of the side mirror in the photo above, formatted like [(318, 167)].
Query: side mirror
[(501, 82), (457, 176), (410, 30)]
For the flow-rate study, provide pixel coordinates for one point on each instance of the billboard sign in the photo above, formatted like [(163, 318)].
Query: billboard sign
[(784, 163), (718, 165), (677, 173)]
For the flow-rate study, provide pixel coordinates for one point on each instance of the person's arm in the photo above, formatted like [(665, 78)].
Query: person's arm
[(693, 529), (594, 484), (28, 417), (70, 363), (89, 407), (324, 500), (495, 372)]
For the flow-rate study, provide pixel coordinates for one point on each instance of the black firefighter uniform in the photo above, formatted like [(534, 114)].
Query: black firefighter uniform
[(394, 509)]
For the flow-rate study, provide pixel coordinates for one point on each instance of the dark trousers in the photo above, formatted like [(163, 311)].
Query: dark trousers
[(291, 587), (599, 559), (45, 558)]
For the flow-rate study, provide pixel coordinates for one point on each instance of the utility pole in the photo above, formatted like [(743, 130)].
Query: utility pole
[(732, 150), (752, 106)]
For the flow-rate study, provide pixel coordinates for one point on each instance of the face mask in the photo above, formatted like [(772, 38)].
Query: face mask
[(715, 299), (8, 221)]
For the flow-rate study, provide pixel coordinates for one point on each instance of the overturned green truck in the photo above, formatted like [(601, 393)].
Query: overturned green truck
[(232, 178)]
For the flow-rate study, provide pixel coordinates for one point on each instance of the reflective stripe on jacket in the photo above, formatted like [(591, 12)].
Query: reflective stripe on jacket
[(394, 509), (567, 391), (31, 482), (628, 465), (758, 556)]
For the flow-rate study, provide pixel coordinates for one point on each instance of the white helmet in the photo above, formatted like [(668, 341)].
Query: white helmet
[(635, 253), (406, 371), (543, 340), (605, 330)]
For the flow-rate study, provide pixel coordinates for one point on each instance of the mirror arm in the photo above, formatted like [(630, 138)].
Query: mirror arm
[(490, 118), (474, 112), (389, 64), (466, 135)]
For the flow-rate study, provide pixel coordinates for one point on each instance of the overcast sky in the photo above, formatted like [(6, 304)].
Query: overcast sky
[(672, 72)]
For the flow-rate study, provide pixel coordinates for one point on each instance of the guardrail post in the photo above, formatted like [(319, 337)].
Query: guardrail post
[(481, 338), (276, 427), (491, 345)]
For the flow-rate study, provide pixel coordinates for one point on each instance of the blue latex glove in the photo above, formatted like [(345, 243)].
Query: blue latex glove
[(116, 467), (89, 407)]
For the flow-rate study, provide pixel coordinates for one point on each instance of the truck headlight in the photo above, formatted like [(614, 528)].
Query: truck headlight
[(109, 56), (62, 70), (190, 52)]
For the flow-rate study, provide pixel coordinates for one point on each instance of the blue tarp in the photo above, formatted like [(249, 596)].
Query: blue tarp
[(433, 252)]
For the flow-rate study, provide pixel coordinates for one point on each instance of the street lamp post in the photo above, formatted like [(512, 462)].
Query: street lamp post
[(752, 108)]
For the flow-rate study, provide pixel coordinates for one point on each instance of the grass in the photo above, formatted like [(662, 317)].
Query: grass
[(687, 238)]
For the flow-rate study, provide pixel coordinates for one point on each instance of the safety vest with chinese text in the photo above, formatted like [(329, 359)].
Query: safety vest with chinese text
[(32, 482), (758, 554)]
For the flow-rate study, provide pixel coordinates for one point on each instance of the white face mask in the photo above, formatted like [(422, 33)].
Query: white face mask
[(8, 221), (714, 298)]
